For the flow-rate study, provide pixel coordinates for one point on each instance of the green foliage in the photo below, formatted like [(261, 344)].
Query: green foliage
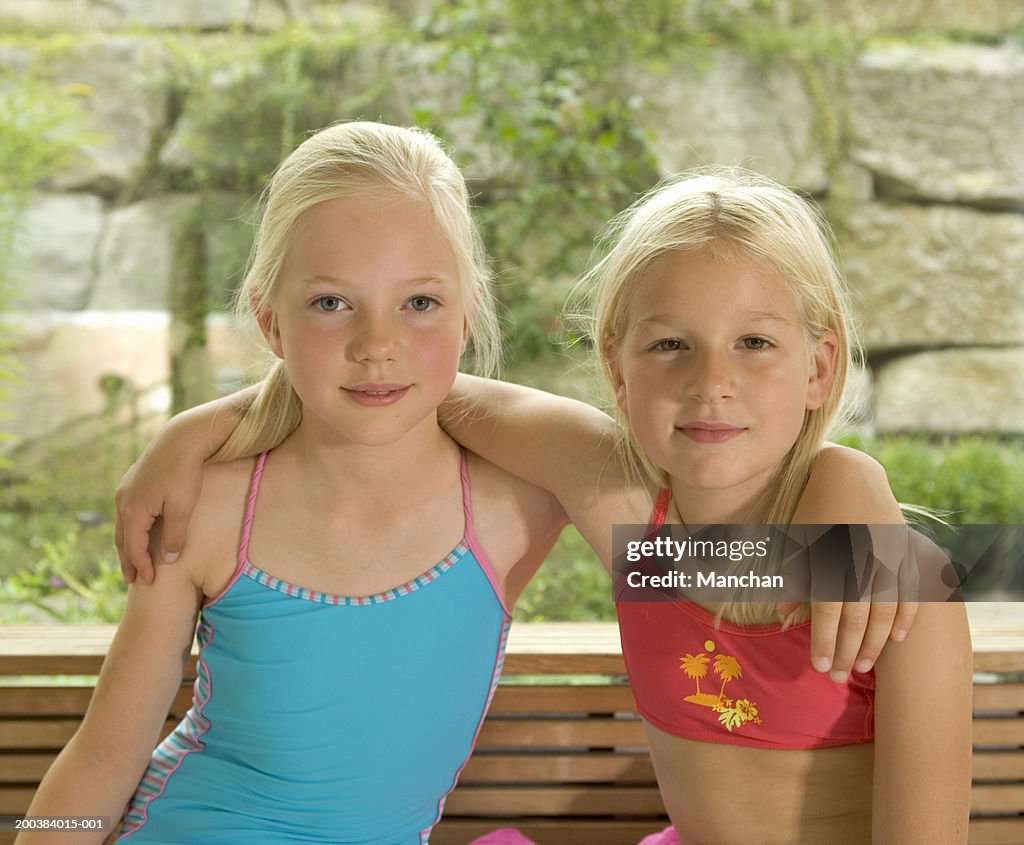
[(572, 585), (976, 480), (61, 586), (557, 141), (34, 142), (246, 103)]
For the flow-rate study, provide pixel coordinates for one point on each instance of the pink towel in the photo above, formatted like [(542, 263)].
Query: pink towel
[(505, 836), (666, 837), (508, 836)]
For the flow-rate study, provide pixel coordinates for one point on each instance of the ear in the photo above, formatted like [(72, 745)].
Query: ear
[(823, 363), (267, 320), (611, 359)]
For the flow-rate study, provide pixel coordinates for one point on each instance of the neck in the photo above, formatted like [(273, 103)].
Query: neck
[(698, 506), (344, 467)]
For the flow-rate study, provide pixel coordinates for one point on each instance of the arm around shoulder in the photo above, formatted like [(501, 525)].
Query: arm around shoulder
[(561, 445)]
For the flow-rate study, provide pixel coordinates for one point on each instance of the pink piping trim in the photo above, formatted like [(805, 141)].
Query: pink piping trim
[(499, 663), (470, 535), (199, 712), (243, 545)]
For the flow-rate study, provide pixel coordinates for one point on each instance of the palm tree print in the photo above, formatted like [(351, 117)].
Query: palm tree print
[(695, 666), (728, 669), (732, 714)]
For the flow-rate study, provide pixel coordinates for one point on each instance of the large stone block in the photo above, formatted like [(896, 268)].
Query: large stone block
[(137, 254), (729, 108), (935, 275), (867, 17), (56, 264), (941, 123), (123, 84), (181, 14), (62, 358), (952, 391)]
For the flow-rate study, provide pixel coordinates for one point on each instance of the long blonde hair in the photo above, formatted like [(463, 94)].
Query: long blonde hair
[(355, 159), (735, 213)]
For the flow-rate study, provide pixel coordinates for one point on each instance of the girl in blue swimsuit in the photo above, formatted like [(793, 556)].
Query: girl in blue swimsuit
[(352, 585)]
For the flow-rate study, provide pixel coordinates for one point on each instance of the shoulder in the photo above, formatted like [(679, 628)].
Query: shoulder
[(215, 525), (500, 495), (847, 486)]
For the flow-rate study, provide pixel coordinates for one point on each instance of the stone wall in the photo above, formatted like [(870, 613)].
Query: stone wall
[(912, 144)]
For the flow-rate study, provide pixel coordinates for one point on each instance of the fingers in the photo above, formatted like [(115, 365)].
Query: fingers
[(825, 618), (909, 587), (876, 634), (133, 547), (127, 570), (173, 531)]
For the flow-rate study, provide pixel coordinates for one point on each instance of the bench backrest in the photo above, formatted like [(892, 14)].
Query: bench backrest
[(561, 755)]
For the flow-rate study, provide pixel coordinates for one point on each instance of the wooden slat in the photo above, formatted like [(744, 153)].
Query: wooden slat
[(567, 831), (997, 798), (997, 765), (47, 733), (590, 766), (25, 768), (589, 698), (999, 697), (14, 801), (555, 733), (1007, 831), (533, 648), (66, 701), (1008, 731), (555, 801)]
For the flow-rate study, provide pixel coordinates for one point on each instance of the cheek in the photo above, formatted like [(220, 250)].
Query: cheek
[(439, 351)]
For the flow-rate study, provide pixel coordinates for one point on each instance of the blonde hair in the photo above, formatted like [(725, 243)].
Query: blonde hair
[(356, 159), (735, 213)]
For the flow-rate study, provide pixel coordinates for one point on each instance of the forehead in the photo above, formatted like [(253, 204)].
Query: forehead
[(709, 285), (352, 236)]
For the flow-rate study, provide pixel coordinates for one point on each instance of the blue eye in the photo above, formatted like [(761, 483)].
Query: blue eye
[(756, 343), (422, 303), (329, 304)]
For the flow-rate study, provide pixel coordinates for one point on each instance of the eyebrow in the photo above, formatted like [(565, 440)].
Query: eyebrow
[(415, 280), (764, 316)]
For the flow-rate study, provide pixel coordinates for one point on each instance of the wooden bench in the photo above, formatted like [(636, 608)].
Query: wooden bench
[(562, 759)]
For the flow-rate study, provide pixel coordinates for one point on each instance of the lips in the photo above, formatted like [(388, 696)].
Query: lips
[(701, 431), (372, 395)]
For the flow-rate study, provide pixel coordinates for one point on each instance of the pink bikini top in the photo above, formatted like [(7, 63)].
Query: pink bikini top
[(744, 685)]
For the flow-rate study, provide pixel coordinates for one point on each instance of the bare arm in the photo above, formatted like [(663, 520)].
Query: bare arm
[(100, 767), (146, 492), (922, 778), (561, 445)]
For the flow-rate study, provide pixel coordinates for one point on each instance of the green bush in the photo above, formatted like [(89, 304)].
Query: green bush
[(971, 480)]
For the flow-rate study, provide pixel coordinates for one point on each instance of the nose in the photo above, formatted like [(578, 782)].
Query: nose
[(712, 380), (373, 339)]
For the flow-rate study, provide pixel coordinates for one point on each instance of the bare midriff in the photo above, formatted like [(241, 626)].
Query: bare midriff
[(720, 794)]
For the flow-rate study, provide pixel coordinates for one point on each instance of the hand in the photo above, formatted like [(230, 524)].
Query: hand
[(863, 587), (165, 481)]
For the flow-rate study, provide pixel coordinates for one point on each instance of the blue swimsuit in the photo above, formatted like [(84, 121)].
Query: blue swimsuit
[(324, 718)]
